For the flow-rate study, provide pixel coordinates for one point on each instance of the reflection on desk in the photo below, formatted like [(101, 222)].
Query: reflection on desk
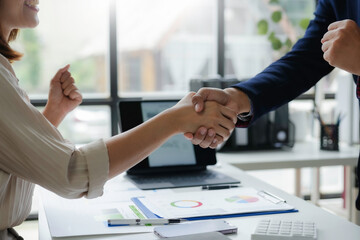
[(330, 227)]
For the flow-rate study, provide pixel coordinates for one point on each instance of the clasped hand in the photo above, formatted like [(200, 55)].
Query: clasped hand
[(232, 99)]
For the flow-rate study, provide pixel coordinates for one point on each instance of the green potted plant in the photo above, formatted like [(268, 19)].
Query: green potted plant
[(279, 17)]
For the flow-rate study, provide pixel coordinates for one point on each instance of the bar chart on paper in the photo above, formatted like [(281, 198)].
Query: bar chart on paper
[(80, 217)]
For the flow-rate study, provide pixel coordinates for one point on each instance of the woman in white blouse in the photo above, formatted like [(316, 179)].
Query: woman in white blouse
[(32, 151)]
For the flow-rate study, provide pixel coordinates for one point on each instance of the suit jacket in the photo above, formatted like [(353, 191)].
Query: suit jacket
[(302, 67)]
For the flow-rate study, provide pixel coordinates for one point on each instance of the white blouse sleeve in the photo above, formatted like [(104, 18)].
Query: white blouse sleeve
[(33, 149)]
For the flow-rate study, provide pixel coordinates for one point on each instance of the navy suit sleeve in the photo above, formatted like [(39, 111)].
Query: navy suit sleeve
[(296, 72)]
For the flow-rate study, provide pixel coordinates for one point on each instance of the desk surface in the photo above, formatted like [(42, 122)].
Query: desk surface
[(306, 154), (303, 155), (330, 227)]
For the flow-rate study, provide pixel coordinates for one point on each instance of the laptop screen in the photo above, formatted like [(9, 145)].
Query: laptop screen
[(176, 153), (176, 144)]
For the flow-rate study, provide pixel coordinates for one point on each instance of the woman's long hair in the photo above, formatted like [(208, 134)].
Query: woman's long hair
[(6, 50)]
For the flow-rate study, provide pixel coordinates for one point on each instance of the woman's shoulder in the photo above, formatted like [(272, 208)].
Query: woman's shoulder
[(8, 82), (7, 74)]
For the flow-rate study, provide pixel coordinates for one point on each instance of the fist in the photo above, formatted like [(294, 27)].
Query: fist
[(63, 93), (341, 46)]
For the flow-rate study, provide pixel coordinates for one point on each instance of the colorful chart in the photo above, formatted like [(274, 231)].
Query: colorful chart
[(106, 214), (186, 204), (242, 199)]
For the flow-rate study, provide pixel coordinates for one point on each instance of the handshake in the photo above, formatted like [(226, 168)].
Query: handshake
[(222, 107)]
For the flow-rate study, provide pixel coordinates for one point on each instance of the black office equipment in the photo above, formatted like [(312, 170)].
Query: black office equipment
[(271, 131), (177, 163)]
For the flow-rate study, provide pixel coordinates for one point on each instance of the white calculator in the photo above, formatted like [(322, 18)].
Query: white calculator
[(274, 229)]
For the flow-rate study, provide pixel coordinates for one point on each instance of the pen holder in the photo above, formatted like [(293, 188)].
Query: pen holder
[(329, 139)]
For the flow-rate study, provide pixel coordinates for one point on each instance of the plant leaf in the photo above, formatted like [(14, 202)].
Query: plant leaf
[(288, 43), (276, 16), (271, 36), (276, 43), (304, 23), (262, 27), (274, 2)]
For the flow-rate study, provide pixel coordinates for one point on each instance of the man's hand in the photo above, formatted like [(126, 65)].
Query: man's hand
[(232, 98), (341, 46), (64, 96)]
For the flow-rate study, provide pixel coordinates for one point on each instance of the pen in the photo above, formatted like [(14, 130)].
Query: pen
[(340, 117), (218, 187), (154, 221), (14, 234)]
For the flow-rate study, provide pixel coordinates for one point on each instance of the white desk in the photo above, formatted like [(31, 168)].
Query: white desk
[(306, 154), (330, 227), (303, 155)]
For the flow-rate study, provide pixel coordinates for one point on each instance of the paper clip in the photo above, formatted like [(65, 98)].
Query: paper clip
[(271, 197)]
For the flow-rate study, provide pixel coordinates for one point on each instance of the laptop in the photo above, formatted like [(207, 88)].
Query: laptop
[(177, 163)]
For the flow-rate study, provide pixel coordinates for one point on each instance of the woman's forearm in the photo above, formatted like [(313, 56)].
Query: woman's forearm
[(53, 116), (128, 148)]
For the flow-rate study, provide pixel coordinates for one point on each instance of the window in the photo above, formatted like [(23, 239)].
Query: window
[(71, 32), (86, 124), (258, 32), (162, 44), (154, 47), (80, 39)]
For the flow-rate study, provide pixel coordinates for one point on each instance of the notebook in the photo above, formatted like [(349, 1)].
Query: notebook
[(177, 163)]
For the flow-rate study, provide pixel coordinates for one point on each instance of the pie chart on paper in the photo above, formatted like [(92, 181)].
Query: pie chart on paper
[(186, 204)]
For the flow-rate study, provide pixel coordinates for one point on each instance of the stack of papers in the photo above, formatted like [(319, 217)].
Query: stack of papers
[(89, 217), (205, 204)]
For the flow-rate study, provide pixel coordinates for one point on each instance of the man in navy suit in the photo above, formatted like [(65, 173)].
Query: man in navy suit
[(331, 40)]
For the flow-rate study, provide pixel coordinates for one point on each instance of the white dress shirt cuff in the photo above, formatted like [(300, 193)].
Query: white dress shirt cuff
[(97, 158)]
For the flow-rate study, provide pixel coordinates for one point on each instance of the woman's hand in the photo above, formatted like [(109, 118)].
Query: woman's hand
[(64, 96)]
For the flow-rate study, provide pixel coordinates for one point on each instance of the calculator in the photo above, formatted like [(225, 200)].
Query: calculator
[(275, 229)]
